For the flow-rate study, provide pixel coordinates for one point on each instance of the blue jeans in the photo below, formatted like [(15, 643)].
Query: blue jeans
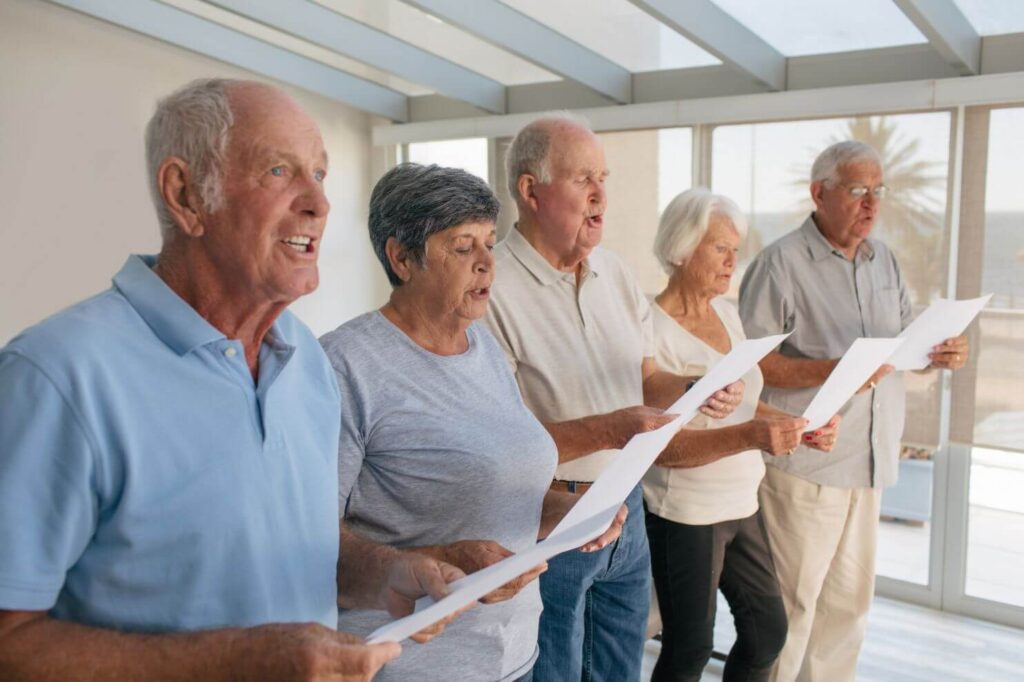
[(595, 608)]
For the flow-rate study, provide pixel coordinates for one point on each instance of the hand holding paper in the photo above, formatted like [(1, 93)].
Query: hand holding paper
[(942, 320), (856, 366)]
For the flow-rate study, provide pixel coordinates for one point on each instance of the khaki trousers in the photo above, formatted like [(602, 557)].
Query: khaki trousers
[(823, 540)]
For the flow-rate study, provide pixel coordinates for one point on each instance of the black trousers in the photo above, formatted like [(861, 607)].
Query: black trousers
[(690, 564)]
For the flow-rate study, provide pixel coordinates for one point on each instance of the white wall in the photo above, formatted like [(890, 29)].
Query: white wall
[(75, 95)]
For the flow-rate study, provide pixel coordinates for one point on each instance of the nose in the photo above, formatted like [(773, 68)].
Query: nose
[(485, 263), (312, 201)]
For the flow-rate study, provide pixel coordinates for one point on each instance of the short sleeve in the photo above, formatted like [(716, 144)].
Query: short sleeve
[(351, 439), (765, 301), (48, 499), (498, 332), (646, 316)]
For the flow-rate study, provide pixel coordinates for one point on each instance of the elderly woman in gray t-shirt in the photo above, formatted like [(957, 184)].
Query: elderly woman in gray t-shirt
[(438, 451)]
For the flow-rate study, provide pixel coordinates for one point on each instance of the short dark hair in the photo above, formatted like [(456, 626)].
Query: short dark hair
[(412, 201)]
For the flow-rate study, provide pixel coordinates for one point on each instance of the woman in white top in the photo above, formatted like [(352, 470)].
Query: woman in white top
[(703, 523)]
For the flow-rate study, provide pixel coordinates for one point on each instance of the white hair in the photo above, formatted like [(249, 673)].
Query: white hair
[(826, 166), (192, 124), (685, 221), (528, 153)]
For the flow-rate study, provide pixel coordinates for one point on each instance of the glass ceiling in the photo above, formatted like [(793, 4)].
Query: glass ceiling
[(618, 30), (803, 27), (297, 45), (990, 17), (430, 34)]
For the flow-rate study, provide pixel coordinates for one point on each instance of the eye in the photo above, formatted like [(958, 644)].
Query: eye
[(320, 175), (277, 171)]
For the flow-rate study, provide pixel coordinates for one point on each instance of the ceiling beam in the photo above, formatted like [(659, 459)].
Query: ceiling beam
[(524, 37), (351, 38), (853, 100), (213, 40), (948, 30), (709, 26)]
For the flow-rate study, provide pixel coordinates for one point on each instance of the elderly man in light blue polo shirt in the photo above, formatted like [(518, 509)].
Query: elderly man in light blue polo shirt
[(168, 448)]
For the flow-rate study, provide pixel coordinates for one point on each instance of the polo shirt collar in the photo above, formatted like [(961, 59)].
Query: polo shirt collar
[(537, 265), (175, 322), (820, 248)]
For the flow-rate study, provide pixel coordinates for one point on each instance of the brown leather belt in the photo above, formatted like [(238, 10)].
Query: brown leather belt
[(574, 487)]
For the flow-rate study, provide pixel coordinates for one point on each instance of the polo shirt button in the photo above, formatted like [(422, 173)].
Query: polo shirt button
[(230, 352)]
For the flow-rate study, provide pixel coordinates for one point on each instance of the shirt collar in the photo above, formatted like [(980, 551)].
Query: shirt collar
[(537, 265), (820, 248), (175, 322)]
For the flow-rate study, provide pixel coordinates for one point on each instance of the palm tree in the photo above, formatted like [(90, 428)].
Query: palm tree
[(911, 217)]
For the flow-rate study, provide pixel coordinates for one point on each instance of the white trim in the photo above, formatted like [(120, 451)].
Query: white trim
[(948, 31), (947, 93), (346, 36), (531, 40), (704, 23), (190, 32)]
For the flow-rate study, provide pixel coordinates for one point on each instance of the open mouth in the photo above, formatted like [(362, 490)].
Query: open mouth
[(482, 292), (595, 220), (300, 244)]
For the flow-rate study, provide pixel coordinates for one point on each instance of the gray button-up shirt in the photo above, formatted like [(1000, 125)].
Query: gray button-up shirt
[(804, 285)]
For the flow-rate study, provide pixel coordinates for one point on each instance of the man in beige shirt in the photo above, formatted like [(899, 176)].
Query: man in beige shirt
[(577, 330)]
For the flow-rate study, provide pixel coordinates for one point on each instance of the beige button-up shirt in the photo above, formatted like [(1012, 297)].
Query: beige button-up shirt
[(804, 285), (575, 351)]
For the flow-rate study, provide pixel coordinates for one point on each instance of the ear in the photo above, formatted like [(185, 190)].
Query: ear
[(817, 192), (400, 260), (173, 181), (526, 186)]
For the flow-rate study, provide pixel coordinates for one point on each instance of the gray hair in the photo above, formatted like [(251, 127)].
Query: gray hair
[(826, 166), (685, 221), (528, 153), (411, 202), (192, 124)]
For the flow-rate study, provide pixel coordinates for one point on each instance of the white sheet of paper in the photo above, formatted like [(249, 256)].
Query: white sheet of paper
[(596, 509), (629, 466), (856, 366), (943, 319)]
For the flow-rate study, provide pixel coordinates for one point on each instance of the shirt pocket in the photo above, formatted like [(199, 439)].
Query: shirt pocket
[(885, 317)]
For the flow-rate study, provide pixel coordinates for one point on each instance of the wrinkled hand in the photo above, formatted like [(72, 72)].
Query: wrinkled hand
[(824, 439), (473, 555), (950, 354), (777, 434), (609, 536), (722, 403), (629, 421), (307, 651), (412, 575), (875, 378)]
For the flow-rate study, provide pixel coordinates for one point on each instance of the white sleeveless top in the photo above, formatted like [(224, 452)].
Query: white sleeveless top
[(723, 490)]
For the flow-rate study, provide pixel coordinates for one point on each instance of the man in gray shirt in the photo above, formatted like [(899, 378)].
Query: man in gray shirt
[(829, 283)]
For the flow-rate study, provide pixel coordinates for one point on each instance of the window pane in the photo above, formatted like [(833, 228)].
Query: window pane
[(469, 154), (995, 544), (648, 168), (800, 27), (766, 169), (617, 30)]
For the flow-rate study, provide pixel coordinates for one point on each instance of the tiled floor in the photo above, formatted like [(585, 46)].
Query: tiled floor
[(907, 643)]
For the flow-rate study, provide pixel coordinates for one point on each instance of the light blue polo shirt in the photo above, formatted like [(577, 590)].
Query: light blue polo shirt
[(148, 484)]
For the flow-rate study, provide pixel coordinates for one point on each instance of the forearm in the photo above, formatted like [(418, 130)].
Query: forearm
[(556, 505), (580, 437), (697, 447), (363, 567), (766, 410), (34, 646), (661, 389), (781, 371)]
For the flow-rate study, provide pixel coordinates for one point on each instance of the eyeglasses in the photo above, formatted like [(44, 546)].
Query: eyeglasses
[(861, 191)]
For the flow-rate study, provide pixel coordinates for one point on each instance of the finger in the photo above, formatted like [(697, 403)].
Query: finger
[(364, 660)]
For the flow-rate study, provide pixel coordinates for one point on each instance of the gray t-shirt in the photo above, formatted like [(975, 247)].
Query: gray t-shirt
[(436, 449)]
